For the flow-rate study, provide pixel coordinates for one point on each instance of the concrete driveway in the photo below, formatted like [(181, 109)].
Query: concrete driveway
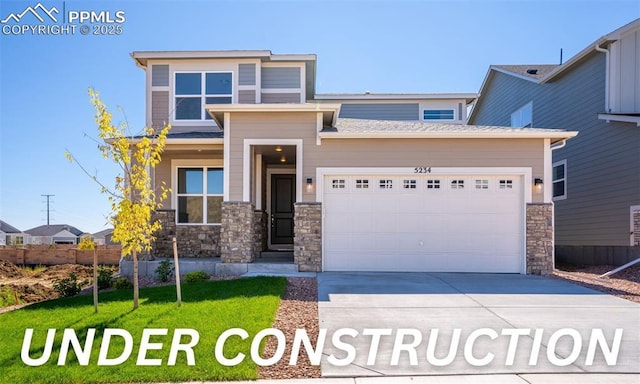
[(452, 323)]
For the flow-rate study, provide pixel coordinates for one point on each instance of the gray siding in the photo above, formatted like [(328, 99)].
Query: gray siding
[(247, 74), (247, 96), (286, 77), (381, 111), (602, 161), (159, 108), (280, 98), (160, 75)]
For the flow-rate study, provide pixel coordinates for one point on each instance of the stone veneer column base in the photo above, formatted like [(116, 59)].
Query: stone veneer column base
[(201, 241), (237, 239), (540, 248), (307, 241)]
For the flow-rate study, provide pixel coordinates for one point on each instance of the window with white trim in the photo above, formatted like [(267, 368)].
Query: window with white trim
[(457, 184), (362, 184), (506, 184), (386, 184), (482, 184), (559, 174), (200, 195), (409, 184), (438, 114), (192, 90), (433, 184), (338, 184), (523, 117)]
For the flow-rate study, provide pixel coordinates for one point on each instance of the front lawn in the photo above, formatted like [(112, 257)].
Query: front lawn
[(208, 308)]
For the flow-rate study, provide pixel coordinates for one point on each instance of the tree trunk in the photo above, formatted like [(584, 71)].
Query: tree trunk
[(95, 281), (135, 280)]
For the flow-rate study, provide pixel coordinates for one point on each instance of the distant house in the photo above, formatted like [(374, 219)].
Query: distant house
[(103, 237), (10, 235), (55, 234), (596, 177)]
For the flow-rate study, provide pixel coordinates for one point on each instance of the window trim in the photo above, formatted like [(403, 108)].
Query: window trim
[(203, 95), (193, 163), (453, 114), (564, 179), (519, 111)]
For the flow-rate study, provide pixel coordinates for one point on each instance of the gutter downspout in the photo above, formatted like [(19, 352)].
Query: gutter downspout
[(606, 77), (559, 146)]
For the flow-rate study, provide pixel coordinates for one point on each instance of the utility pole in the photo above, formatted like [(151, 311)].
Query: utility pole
[(48, 206)]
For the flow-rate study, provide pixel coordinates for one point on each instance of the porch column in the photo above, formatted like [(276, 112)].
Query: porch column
[(307, 241), (237, 243), (540, 252)]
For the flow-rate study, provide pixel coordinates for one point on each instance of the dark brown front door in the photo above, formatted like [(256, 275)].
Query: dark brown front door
[(283, 192)]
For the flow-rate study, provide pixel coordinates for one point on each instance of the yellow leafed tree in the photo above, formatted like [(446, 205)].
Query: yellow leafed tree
[(133, 199)]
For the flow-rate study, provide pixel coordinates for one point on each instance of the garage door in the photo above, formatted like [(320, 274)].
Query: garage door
[(452, 223)]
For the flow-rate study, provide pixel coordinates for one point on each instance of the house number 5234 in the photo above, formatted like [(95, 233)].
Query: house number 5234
[(422, 170)]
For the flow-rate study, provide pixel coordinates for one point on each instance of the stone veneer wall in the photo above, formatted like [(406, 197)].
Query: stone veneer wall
[(237, 240), (540, 260), (260, 232), (307, 241), (193, 240)]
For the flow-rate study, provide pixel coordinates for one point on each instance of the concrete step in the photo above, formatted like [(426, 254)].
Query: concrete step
[(258, 267)]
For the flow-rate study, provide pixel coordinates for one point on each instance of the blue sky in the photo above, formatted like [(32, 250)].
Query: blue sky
[(379, 46)]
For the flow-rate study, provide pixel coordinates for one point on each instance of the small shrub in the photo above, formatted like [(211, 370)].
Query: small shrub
[(105, 278), (87, 243), (9, 297), (165, 270), (122, 283), (194, 277), (68, 286)]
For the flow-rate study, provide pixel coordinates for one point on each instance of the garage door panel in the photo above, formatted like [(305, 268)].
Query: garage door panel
[(408, 226)]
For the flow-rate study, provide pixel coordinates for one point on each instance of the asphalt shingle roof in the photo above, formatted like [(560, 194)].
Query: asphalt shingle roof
[(6, 228), (541, 69), (50, 230)]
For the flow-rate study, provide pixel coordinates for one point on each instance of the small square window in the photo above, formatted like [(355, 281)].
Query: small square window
[(386, 184), (457, 184), (506, 184), (338, 184), (409, 184), (433, 184), (482, 184), (362, 184)]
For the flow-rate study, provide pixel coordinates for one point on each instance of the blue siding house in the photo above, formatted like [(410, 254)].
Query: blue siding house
[(596, 176)]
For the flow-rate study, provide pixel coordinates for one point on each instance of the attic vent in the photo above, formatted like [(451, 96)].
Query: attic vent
[(532, 71)]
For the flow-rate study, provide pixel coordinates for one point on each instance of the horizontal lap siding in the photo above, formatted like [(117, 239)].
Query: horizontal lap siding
[(268, 98), (603, 180), (160, 75), (246, 74), (376, 152), (285, 77), (159, 108), (380, 111), (247, 96)]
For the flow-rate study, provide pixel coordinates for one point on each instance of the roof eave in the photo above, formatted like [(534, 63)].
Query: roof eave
[(554, 137)]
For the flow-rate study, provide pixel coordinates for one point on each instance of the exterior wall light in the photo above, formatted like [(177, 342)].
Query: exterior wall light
[(309, 184), (537, 182), (283, 159), (278, 149)]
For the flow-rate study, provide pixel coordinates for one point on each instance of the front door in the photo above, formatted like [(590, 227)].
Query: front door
[(283, 192)]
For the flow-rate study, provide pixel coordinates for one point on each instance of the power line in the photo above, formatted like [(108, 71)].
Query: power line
[(48, 205)]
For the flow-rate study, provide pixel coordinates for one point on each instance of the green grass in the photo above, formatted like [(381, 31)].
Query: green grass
[(209, 307), (8, 297)]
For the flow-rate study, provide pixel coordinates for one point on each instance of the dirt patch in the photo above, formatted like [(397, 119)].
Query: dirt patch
[(30, 286), (624, 284)]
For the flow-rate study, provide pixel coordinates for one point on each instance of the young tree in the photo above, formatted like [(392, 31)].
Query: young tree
[(133, 198), (87, 243)]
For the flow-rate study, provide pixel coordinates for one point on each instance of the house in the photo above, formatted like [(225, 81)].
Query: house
[(257, 160), (103, 237), (55, 234), (596, 177), (10, 235)]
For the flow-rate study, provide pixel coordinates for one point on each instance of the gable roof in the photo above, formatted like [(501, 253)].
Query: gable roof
[(548, 72), (103, 233), (50, 230), (6, 228), (360, 128)]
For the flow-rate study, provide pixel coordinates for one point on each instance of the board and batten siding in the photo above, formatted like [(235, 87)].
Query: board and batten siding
[(375, 152), (159, 108), (603, 180), (281, 77), (624, 82), (409, 111)]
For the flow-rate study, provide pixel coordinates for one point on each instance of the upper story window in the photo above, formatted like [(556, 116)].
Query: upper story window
[(523, 117), (195, 89), (560, 180), (438, 114)]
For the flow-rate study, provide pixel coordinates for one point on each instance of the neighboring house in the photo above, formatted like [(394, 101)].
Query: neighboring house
[(10, 235), (103, 237), (257, 160), (55, 234), (596, 177)]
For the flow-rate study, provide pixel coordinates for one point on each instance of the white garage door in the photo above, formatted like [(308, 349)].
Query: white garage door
[(423, 223)]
